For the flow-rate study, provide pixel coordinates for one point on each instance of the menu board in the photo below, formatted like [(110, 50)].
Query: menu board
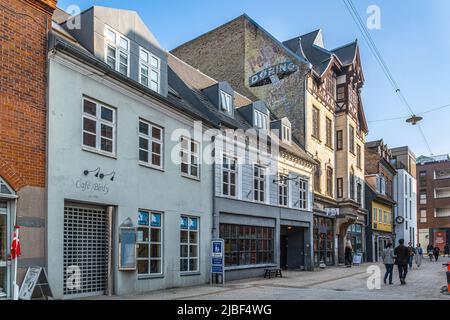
[(127, 249)]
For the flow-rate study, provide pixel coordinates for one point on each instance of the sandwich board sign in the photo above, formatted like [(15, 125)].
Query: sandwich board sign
[(217, 259), (35, 285)]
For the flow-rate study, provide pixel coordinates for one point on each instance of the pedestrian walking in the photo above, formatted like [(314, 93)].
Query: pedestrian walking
[(446, 250), (388, 260), (401, 253), (436, 253), (430, 250), (411, 253), (419, 255), (348, 255)]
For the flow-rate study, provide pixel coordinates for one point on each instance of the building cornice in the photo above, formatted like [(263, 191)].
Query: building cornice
[(46, 6)]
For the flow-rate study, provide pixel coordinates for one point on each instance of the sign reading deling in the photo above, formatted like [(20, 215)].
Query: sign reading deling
[(273, 74)]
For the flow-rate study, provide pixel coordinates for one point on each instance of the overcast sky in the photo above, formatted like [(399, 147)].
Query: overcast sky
[(414, 40)]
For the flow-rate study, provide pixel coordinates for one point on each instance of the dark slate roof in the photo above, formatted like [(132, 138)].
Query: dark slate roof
[(60, 42), (311, 47), (346, 53), (190, 85)]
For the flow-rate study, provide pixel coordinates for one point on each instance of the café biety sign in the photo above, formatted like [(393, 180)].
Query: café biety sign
[(273, 74)]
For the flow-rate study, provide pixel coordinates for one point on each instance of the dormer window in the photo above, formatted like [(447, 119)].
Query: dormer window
[(226, 102), (259, 120), (286, 133), (149, 70), (117, 51)]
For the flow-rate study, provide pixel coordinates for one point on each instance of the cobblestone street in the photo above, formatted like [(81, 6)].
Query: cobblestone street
[(330, 284)]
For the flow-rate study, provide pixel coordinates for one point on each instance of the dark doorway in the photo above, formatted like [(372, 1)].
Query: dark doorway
[(283, 251), (292, 248)]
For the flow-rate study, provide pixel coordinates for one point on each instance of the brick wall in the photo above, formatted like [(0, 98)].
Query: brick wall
[(23, 32)]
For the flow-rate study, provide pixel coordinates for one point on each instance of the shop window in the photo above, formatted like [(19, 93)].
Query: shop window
[(149, 243), (247, 245), (190, 157), (189, 243), (99, 127), (150, 144)]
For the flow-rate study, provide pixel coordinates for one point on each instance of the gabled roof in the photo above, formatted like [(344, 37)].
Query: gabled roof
[(311, 46), (190, 88), (347, 53)]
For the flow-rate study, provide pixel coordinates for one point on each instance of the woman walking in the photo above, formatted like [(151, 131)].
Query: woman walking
[(419, 255), (388, 260), (348, 255)]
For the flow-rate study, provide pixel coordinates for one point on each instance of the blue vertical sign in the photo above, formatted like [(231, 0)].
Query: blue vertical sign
[(217, 256)]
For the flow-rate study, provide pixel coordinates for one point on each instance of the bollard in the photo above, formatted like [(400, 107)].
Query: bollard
[(448, 276)]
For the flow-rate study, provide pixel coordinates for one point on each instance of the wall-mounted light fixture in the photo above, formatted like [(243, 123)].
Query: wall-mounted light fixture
[(295, 179), (87, 172), (112, 175)]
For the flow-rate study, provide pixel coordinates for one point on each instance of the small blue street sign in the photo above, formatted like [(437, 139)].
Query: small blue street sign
[(217, 269), (217, 261)]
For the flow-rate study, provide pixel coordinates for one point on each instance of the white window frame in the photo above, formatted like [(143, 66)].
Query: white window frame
[(189, 244), (190, 153), (150, 242), (119, 50), (228, 171), (286, 133), (226, 101), (283, 190), (150, 68), (259, 119), (150, 140), (259, 179), (303, 190), (98, 125)]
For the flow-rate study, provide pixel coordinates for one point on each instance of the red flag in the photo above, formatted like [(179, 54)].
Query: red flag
[(15, 246)]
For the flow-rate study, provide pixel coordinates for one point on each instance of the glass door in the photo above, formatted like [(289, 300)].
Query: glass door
[(3, 249)]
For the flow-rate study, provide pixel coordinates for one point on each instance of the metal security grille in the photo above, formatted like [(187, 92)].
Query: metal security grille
[(85, 250)]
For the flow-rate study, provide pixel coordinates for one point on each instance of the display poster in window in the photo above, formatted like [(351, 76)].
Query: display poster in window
[(127, 248)]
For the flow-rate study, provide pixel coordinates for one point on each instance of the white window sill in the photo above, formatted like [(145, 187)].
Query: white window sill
[(190, 177), (150, 276), (147, 165), (101, 153)]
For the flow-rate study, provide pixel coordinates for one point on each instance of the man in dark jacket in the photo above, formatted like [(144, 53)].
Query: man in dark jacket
[(447, 250), (401, 260)]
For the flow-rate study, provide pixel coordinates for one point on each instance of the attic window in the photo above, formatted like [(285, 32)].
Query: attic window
[(117, 51), (286, 133), (149, 70), (226, 101), (259, 120)]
